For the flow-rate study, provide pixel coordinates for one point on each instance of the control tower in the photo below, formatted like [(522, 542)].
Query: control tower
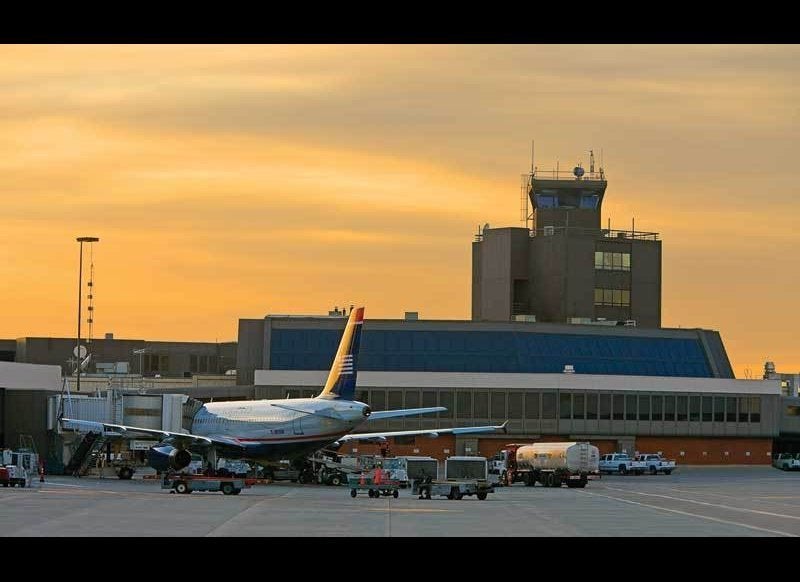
[(563, 267)]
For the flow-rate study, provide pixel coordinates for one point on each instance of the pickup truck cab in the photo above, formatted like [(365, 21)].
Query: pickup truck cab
[(655, 463), (620, 463), (786, 462)]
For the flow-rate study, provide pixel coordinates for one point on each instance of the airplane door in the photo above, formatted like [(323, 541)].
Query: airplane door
[(297, 425)]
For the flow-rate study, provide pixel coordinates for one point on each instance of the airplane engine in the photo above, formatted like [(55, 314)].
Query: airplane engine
[(167, 458)]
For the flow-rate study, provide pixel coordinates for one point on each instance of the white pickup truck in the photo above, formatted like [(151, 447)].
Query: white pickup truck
[(655, 463), (786, 462), (621, 463)]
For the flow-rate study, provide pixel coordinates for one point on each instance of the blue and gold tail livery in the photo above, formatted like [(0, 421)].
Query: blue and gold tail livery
[(342, 377)]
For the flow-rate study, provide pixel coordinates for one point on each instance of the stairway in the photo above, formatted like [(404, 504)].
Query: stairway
[(88, 451)]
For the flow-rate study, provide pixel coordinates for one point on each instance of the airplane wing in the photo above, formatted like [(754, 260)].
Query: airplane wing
[(380, 415), (103, 426), (431, 433)]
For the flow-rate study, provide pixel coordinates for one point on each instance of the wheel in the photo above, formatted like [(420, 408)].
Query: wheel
[(653, 470), (459, 495), (667, 471), (336, 480), (395, 494), (125, 473), (427, 494), (353, 493), (482, 495), (22, 483), (227, 488), (452, 494), (581, 485), (181, 487), (504, 478), (556, 481), (623, 470)]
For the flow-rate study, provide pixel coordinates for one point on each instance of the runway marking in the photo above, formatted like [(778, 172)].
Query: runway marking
[(731, 508), (415, 510), (781, 533), (66, 485)]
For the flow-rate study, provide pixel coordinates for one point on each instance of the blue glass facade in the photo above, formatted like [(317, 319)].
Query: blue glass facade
[(493, 351)]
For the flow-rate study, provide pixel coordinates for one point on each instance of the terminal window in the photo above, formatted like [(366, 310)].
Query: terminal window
[(630, 407), (619, 407), (644, 408), (532, 405), (515, 405), (755, 409), (548, 405), (566, 405), (591, 406), (605, 407), (707, 409), (578, 408), (498, 405), (658, 408)]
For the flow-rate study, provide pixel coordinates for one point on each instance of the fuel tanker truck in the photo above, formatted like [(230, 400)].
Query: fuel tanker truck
[(550, 464)]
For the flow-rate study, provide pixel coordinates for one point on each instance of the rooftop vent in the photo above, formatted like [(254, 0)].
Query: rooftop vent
[(569, 369)]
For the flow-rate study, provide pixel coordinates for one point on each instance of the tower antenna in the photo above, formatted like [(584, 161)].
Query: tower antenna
[(533, 142), (591, 161)]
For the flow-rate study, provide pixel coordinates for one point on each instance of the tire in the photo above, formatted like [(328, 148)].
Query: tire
[(336, 480), (353, 493), (227, 488), (653, 470), (623, 470), (504, 478), (482, 495), (181, 487), (667, 471), (125, 473), (427, 494), (581, 485), (459, 496), (395, 494), (556, 481)]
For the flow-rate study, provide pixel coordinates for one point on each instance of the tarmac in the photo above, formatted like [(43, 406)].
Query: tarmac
[(693, 501)]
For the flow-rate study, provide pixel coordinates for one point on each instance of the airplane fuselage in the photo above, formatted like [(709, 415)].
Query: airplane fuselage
[(265, 431)]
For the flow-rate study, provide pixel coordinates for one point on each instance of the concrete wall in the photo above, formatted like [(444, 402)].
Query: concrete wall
[(16, 376), (251, 349), (646, 283)]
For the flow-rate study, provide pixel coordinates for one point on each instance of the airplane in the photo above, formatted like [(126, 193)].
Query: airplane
[(268, 431)]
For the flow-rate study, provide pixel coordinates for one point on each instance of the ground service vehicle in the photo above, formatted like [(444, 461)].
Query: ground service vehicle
[(655, 463), (463, 476), (621, 463), (11, 475), (786, 462), (374, 486), (179, 483), (549, 464)]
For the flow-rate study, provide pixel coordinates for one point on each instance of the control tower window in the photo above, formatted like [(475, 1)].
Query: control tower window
[(608, 261), (546, 201), (589, 201)]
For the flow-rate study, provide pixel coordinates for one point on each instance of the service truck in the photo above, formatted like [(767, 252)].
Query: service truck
[(786, 461), (621, 463), (550, 464), (655, 463)]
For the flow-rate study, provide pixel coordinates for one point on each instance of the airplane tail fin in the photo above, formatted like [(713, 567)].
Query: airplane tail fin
[(342, 377)]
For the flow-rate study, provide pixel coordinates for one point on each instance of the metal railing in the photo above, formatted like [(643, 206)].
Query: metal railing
[(601, 232), (559, 174)]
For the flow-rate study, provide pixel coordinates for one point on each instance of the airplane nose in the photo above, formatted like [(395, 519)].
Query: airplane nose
[(366, 411)]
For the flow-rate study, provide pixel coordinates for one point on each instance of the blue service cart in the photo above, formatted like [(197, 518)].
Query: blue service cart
[(366, 482), (188, 483)]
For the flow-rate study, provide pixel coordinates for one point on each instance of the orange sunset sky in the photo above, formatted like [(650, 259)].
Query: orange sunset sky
[(230, 181)]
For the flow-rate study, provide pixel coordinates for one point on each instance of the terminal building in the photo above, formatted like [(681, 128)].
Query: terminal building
[(622, 388)]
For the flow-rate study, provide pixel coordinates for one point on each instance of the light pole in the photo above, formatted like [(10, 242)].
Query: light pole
[(81, 239)]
